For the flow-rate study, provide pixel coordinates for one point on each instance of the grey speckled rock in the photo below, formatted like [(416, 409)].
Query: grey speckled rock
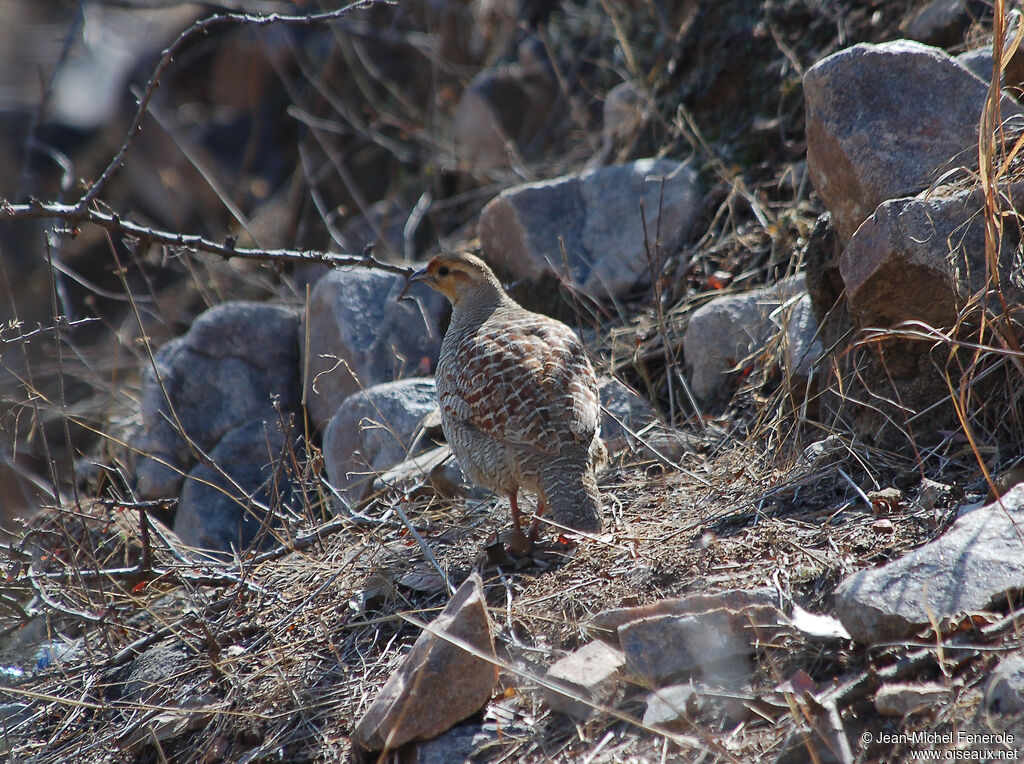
[(597, 215), (373, 431), (883, 121), (212, 514), (1005, 692), (221, 374), (726, 330), (357, 327), (971, 567)]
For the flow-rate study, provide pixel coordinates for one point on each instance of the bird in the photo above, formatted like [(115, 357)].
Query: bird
[(518, 397)]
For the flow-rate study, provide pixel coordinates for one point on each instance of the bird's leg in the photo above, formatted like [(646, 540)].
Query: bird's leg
[(535, 525), (513, 503)]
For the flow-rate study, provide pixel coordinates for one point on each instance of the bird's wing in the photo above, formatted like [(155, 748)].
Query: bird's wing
[(527, 382)]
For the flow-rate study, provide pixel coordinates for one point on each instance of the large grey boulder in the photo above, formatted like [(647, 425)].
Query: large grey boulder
[(359, 335), (597, 216), (974, 566), (235, 361), (884, 121), (373, 431)]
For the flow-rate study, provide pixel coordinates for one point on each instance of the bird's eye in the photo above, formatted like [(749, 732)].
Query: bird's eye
[(443, 271)]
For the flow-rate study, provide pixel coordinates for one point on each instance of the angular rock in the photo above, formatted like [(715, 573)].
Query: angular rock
[(439, 684), (730, 328), (919, 260), (605, 625), (676, 706), (589, 675), (359, 335), (373, 431), (1005, 692), (224, 372), (715, 645), (670, 707), (900, 699), (597, 216), (971, 567), (884, 121), (213, 514)]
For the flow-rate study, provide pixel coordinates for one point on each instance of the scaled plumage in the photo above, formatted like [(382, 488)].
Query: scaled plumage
[(518, 395)]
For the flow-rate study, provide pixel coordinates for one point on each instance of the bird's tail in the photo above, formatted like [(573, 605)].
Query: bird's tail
[(570, 491)]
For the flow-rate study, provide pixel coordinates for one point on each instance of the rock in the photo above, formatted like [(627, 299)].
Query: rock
[(227, 370), (214, 512), (360, 336), (940, 22), (627, 108), (501, 114), (901, 699), (669, 707), (373, 431), (153, 677), (589, 675), (597, 216), (970, 568), (1005, 691), (438, 684), (436, 467), (676, 706), (898, 266), (725, 331), (625, 416), (978, 62), (884, 121), (605, 625), (715, 645)]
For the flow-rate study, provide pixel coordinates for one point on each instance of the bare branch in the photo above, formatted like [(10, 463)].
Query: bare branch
[(74, 214)]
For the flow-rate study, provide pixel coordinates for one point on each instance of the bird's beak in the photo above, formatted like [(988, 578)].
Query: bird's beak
[(420, 275)]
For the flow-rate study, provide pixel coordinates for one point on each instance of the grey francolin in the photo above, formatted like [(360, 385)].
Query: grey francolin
[(518, 395)]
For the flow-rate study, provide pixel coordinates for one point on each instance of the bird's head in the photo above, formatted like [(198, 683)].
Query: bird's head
[(458, 277)]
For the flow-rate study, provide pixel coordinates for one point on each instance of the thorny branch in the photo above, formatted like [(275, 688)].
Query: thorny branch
[(85, 209)]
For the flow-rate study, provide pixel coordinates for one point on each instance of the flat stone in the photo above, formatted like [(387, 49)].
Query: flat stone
[(1005, 692), (670, 707), (361, 336), (884, 121), (970, 568), (439, 684), (589, 675), (605, 624), (715, 645), (901, 699)]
